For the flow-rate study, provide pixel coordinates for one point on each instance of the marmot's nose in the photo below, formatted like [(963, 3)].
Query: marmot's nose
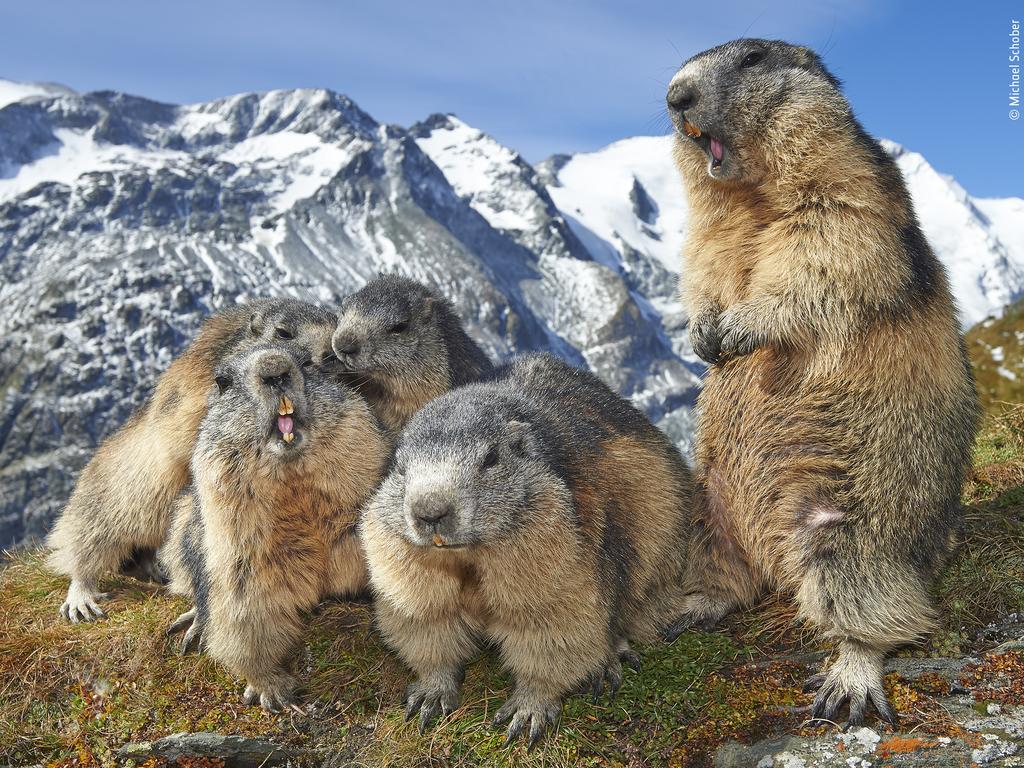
[(431, 511), (682, 95), (276, 369), (345, 345)]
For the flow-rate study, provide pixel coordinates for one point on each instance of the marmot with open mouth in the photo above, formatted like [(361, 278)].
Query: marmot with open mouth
[(121, 506), (837, 417), (284, 460), (402, 344), (537, 510)]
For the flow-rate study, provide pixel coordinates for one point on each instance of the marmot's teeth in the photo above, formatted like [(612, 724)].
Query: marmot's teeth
[(438, 541), (286, 408), (288, 437), (691, 130)]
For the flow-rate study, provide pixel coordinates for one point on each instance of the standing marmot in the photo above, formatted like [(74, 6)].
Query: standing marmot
[(538, 511), (122, 502), (836, 426), (404, 345), (284, 459)]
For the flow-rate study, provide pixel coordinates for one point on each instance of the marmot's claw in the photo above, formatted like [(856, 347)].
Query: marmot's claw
[(814, 682), (182, 622), (277, 698), (833, 695), (631, 659), (192, 640), (429, 699), (735, 338), (82, 604), (523, 712), (704, 337)]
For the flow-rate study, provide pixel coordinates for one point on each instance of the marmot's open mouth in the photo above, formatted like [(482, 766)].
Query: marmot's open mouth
[(714, 148), (285, 422)]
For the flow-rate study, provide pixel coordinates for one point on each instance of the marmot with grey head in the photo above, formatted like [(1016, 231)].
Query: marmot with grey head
[(284, 460), (403, 345), (121, 505), (837, 418), (538, 511)]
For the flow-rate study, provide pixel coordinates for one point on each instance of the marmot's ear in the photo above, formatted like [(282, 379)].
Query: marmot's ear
[(429, 304), (521, 439), (806, 58), (256, 323)]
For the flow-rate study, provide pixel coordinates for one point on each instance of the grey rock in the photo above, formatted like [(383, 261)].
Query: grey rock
[(235, 751)]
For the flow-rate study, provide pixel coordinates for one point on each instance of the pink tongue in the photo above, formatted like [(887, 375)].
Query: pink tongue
[(716, 149), (285, 424)]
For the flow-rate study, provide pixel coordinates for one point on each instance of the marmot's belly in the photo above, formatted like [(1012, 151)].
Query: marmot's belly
[(770, 449)]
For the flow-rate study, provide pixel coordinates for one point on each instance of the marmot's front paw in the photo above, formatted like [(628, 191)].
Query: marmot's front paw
[(736, 336), (527, 710), (82, 603), (704, 336), (611, 674), (428, 697), (276, 696)]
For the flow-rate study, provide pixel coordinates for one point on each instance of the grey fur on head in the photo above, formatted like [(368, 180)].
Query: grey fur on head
[(730, 93), (261, 396), (464, 469), (396, 327)]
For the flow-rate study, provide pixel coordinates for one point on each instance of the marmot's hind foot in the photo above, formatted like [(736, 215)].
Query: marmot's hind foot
[(82, 603), (526, 711), (849, 682)]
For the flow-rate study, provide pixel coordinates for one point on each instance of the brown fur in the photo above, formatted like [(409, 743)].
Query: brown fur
[(594, 561), (832, 456), (273, 542), (123, 499)]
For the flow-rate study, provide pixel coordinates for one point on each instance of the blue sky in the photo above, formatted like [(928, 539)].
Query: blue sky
[(543, 77)]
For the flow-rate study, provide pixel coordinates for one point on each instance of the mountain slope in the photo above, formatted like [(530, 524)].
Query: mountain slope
[(123, 222)]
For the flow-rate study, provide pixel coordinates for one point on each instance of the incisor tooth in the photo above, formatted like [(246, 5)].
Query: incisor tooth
[(691, 129), (438, 541), (285, 408), (289, 437)]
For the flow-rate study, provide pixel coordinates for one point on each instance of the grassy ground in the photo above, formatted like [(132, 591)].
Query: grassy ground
[(72, 695), (996, 347)]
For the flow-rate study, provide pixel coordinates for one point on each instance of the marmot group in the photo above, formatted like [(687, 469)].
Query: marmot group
[(403, 344), (284, 460), (121, 505), (539, 511), (837, 419)]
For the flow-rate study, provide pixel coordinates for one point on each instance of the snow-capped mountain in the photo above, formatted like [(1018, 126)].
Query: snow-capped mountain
[(124, 222)]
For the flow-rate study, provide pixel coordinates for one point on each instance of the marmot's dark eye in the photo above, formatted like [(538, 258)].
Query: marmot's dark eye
[(284, 333), (490, 460), (398, 328), (752, 58), (223, 383)]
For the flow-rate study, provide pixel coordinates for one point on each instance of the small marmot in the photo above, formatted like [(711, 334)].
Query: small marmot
[(403, 345), (284, 459), (837, 419), (121, 506), (539, 511)]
